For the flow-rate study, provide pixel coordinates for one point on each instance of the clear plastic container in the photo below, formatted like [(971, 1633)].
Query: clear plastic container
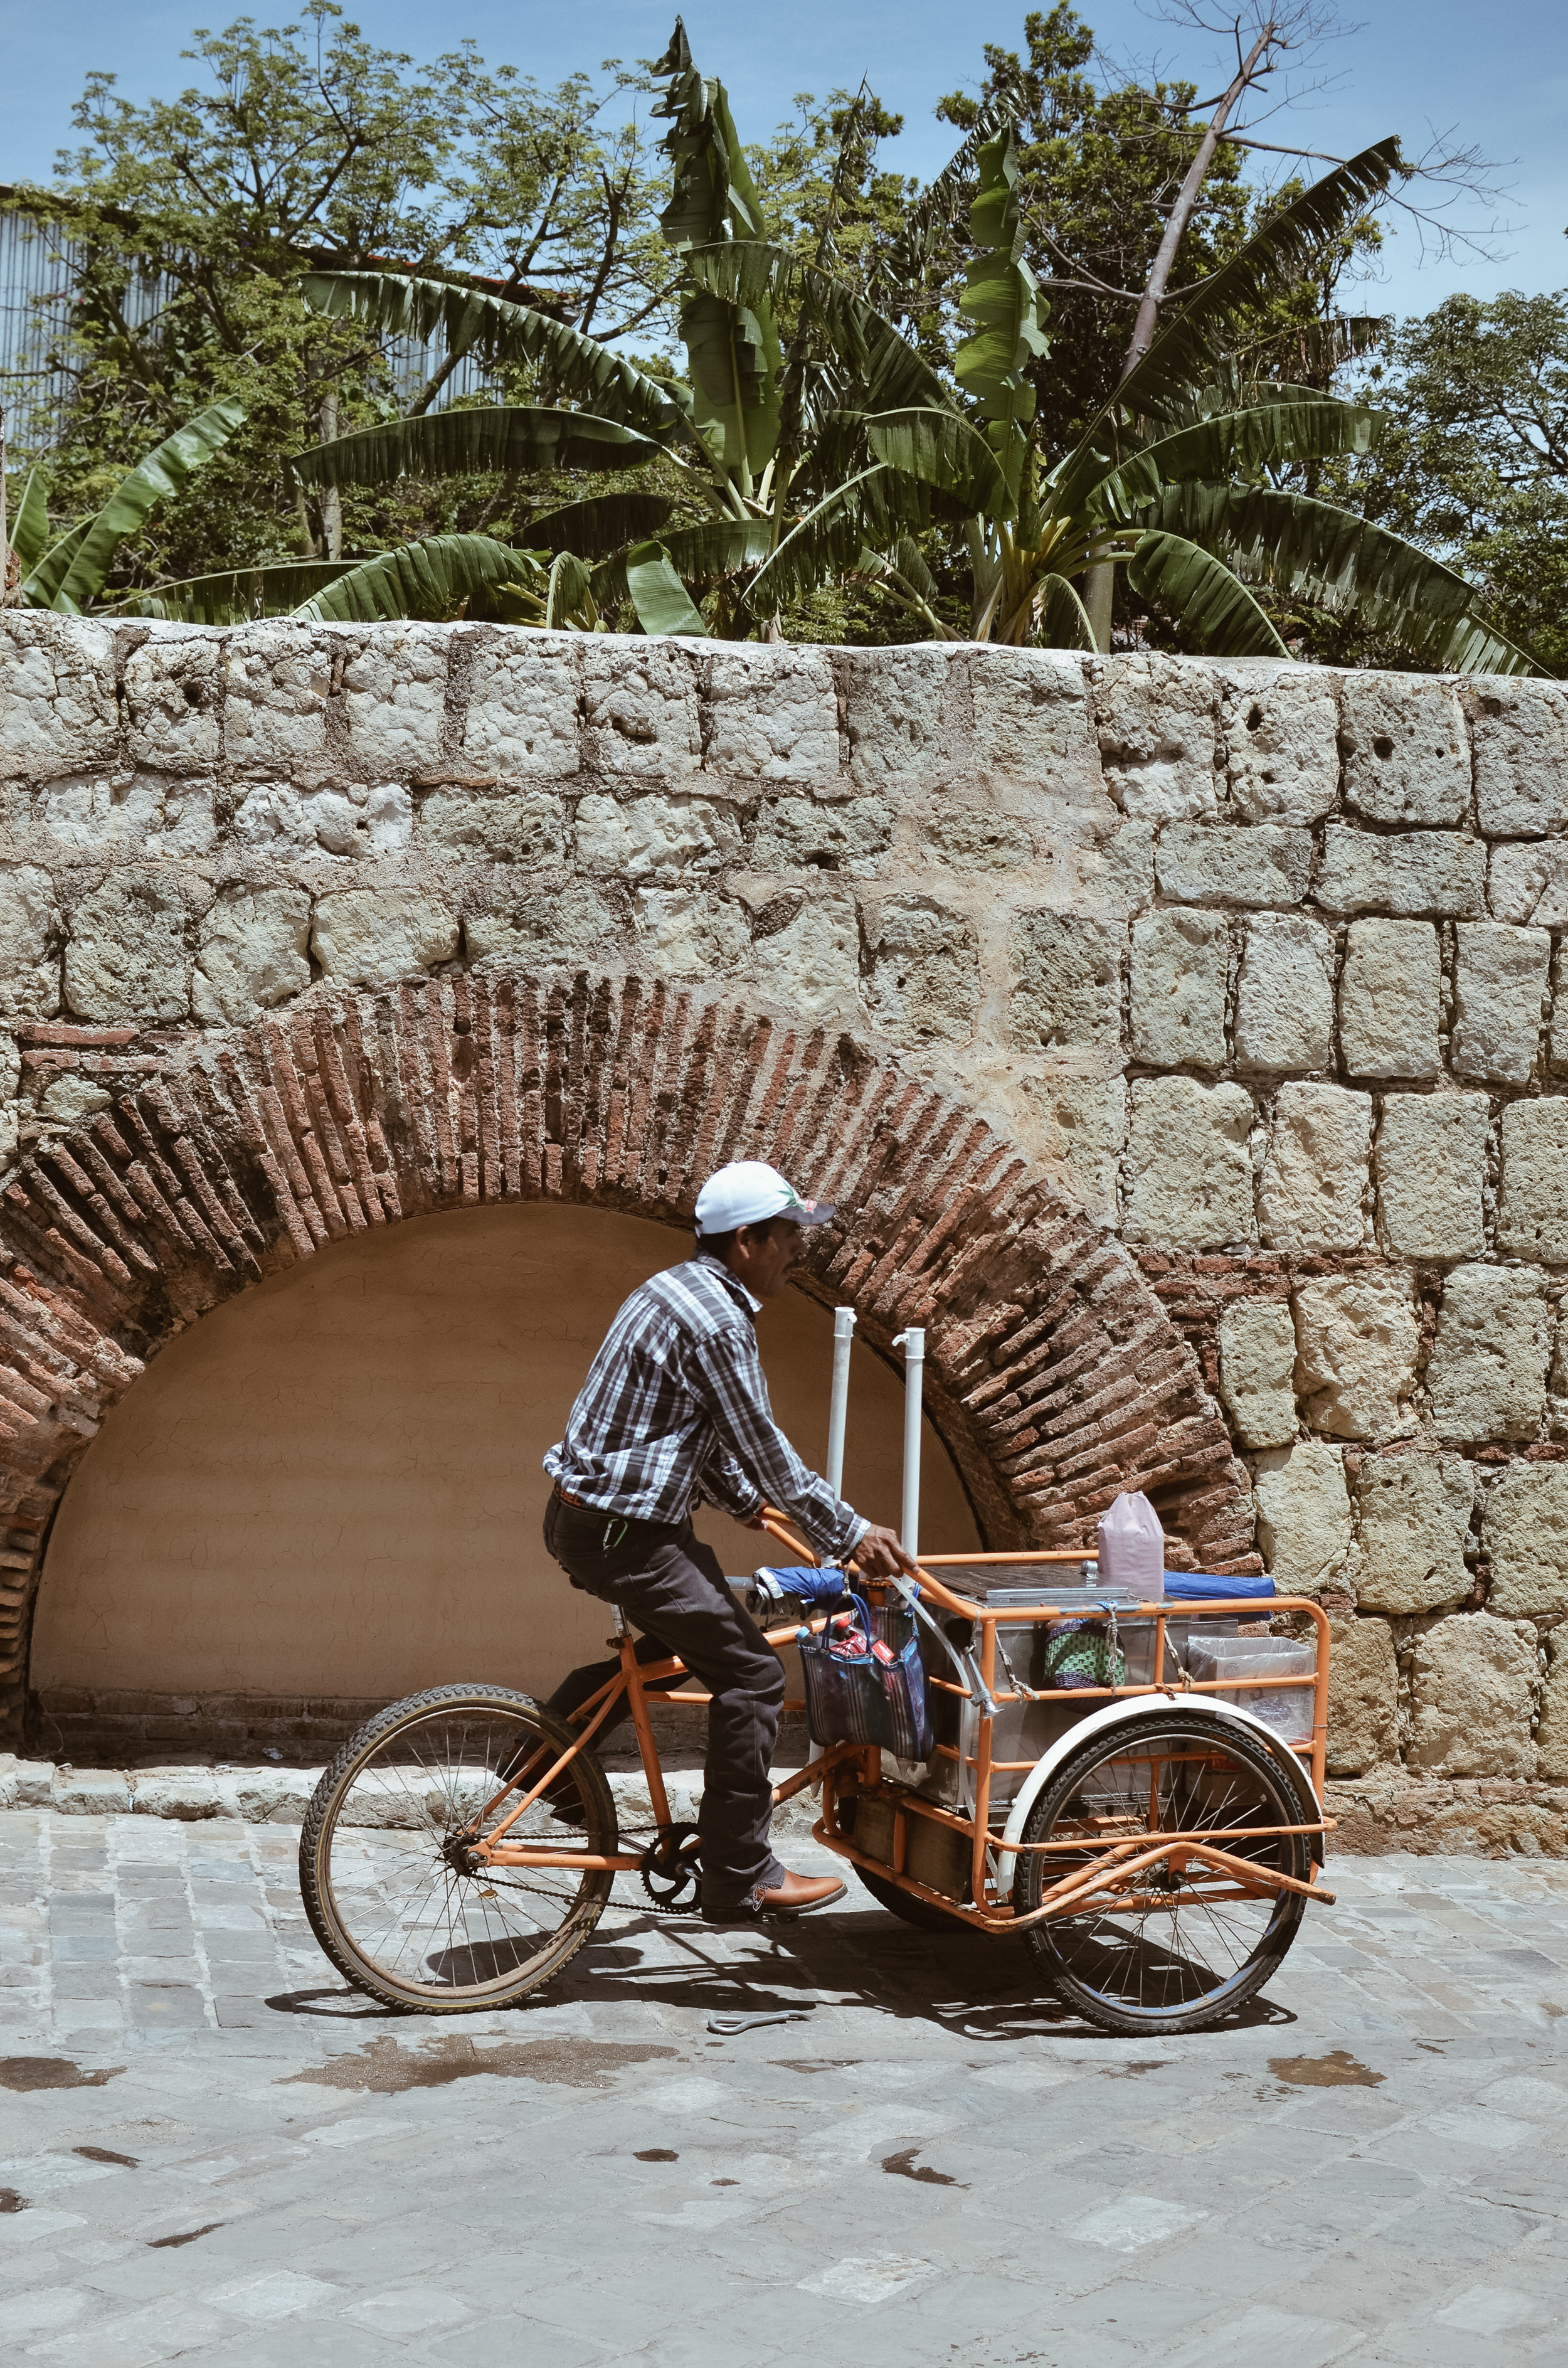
[(1287, 1709)]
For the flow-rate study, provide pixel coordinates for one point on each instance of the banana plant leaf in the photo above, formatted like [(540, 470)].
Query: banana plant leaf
[(897, 279), (941, 448), (884, 371), (1236, 444), (1063, 621), (427, 578), (1204, 596), (1002, 298), (568, 599), (600, 525), (870, 511), (471, 443), (657, 594), (703, 553), (164, 472), (1185, 353), (466, 320), (30, 527), (234, 595), (1311, 551), (732, 354), (44, 579)]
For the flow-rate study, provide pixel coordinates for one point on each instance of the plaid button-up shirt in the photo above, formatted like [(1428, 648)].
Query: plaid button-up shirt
[(676, 1412)]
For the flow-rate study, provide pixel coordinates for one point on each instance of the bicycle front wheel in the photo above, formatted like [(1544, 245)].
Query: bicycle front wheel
[(383, 1869), (1187, 1943)]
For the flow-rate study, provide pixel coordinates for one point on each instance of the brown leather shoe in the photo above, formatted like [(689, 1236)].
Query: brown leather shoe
[(796, 1896)]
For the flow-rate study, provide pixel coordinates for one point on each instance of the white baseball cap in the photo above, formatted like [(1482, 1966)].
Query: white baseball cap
[(748, 1192)]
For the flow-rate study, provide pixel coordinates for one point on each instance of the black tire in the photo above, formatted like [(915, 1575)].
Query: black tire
[(396, 1916), (1184, 1954)]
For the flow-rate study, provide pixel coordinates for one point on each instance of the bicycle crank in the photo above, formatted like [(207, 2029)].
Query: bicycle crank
[(671, 1873)]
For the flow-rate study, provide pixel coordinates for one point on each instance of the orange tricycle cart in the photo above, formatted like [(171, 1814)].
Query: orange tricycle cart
[(1132, 1787)]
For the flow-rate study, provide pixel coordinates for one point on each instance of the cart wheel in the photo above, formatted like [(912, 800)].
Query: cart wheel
[(1189, 1946), (383, 1867)]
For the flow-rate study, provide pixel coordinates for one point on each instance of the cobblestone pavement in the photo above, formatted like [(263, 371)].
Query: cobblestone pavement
[(212, 2151)]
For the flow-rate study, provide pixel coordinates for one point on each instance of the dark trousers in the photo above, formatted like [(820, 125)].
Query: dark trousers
[(672, 1587)]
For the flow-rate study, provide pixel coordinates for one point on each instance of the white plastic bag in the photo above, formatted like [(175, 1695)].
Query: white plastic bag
[(1132, 1547)]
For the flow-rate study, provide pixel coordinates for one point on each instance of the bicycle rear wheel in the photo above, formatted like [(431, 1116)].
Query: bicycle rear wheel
[(1187, 1945), (382, 1865)]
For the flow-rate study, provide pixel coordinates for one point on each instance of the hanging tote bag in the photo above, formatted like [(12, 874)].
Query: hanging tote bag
[(865, 1682)]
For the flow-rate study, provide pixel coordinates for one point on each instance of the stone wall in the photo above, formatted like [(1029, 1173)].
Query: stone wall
[(1207, 1018)]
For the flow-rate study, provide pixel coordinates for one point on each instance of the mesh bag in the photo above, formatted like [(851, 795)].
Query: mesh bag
[(865, 1682), (1082, 1653)]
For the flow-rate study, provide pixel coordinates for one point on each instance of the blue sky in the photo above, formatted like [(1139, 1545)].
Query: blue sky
[(1496, 77)]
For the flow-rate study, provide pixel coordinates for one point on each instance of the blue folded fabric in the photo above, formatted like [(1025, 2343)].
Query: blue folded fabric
[(803, 1584), (1207, 1587)]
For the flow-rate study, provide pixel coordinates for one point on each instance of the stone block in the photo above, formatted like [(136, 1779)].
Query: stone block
[(643, 712), (126, 957), (267, 1796), (809, 966), (394, 694), (91, 1792), (26, 1784), (1389, 999), (1157, 722), (1500, 986), (692, 937), (1519, 737), (285, 820), (969, 837), (1189, 1159), (189, 1795), (892, 708), (925, 983), (1263, 864), (1285, 995), (57, 708), (523, 704), (1524, 1533), (254, 954), (71, 1098), (279, 680), (1437, 871), (1487, 1375), (1279, 732), (576, 922), (851, 836), (1080, 1125), (1356, 1336), (1032, 723), (147, 814), (1313, 1192), (174, 690), (1066, 981), (1412, 1519), (1431, 1166), (1551, 1736), (1363, 1696), (1257, 1364), (369, 937), (494, 826), (1473, 1683), (1406, 753), (29, 943), (1532, 1215), (1123, 872), (1303, 1515), (1181, 964), (656, 838), (1527, 884), (774, 713)]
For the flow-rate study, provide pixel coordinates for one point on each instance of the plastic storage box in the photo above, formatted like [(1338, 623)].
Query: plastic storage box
[(1287, 1709)]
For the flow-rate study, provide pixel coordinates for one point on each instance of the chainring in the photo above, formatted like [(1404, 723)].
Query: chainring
[(671, 1873)]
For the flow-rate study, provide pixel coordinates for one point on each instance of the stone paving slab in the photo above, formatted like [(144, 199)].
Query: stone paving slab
[(218, 2152)]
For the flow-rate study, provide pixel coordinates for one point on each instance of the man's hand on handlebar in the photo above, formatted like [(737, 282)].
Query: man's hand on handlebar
[(879, 1555)]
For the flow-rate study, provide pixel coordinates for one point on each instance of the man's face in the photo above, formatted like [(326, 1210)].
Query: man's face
[(764, 1256)]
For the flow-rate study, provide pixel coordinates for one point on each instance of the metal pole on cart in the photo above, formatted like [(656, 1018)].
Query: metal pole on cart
[(912, 1343), (839, 1404)]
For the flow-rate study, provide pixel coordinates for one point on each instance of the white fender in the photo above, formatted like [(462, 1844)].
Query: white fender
[(1117, 1714)]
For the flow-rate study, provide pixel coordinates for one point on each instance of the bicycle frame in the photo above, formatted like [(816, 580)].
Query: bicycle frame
[(848, 1771)]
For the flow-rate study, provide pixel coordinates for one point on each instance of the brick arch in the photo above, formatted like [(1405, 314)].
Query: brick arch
[(1053, 1373)]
